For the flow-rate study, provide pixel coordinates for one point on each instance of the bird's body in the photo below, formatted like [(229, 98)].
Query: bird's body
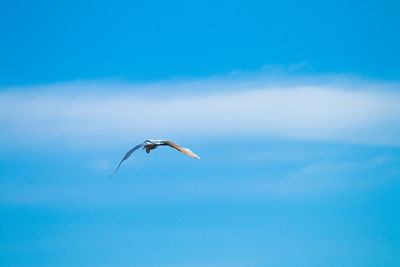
[(153, 144)]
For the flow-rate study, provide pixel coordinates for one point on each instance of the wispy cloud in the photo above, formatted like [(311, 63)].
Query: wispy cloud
[(360, 112), (312, 180)]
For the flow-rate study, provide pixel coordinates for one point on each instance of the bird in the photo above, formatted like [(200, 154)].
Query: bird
[(150, 144)]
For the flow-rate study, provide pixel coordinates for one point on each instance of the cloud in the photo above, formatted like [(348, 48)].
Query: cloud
[(310, 180), (360, 112), (283, 67), (100, 164), (300, 65)]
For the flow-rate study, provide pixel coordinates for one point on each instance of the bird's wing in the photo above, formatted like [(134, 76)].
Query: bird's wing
[(184, 150), (127, 155)]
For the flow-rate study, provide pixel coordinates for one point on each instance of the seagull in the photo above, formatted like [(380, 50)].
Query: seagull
[(153, 144)]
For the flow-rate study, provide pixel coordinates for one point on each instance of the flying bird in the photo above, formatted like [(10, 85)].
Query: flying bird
[(153, 144)]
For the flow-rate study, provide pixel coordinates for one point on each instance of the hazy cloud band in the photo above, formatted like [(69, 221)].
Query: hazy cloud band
[(311, 112)]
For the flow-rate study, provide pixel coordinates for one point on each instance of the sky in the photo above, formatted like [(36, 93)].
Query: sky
[(293, 107)]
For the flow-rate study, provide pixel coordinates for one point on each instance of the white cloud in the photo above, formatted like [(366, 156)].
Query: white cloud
[(363, 112), (100, 164), (309, 181)]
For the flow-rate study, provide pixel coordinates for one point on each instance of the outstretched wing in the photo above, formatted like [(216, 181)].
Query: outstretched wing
[(127, 155), (184, 150)]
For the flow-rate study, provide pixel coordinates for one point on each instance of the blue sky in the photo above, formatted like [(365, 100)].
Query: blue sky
[(293, 107), (47, 41)]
